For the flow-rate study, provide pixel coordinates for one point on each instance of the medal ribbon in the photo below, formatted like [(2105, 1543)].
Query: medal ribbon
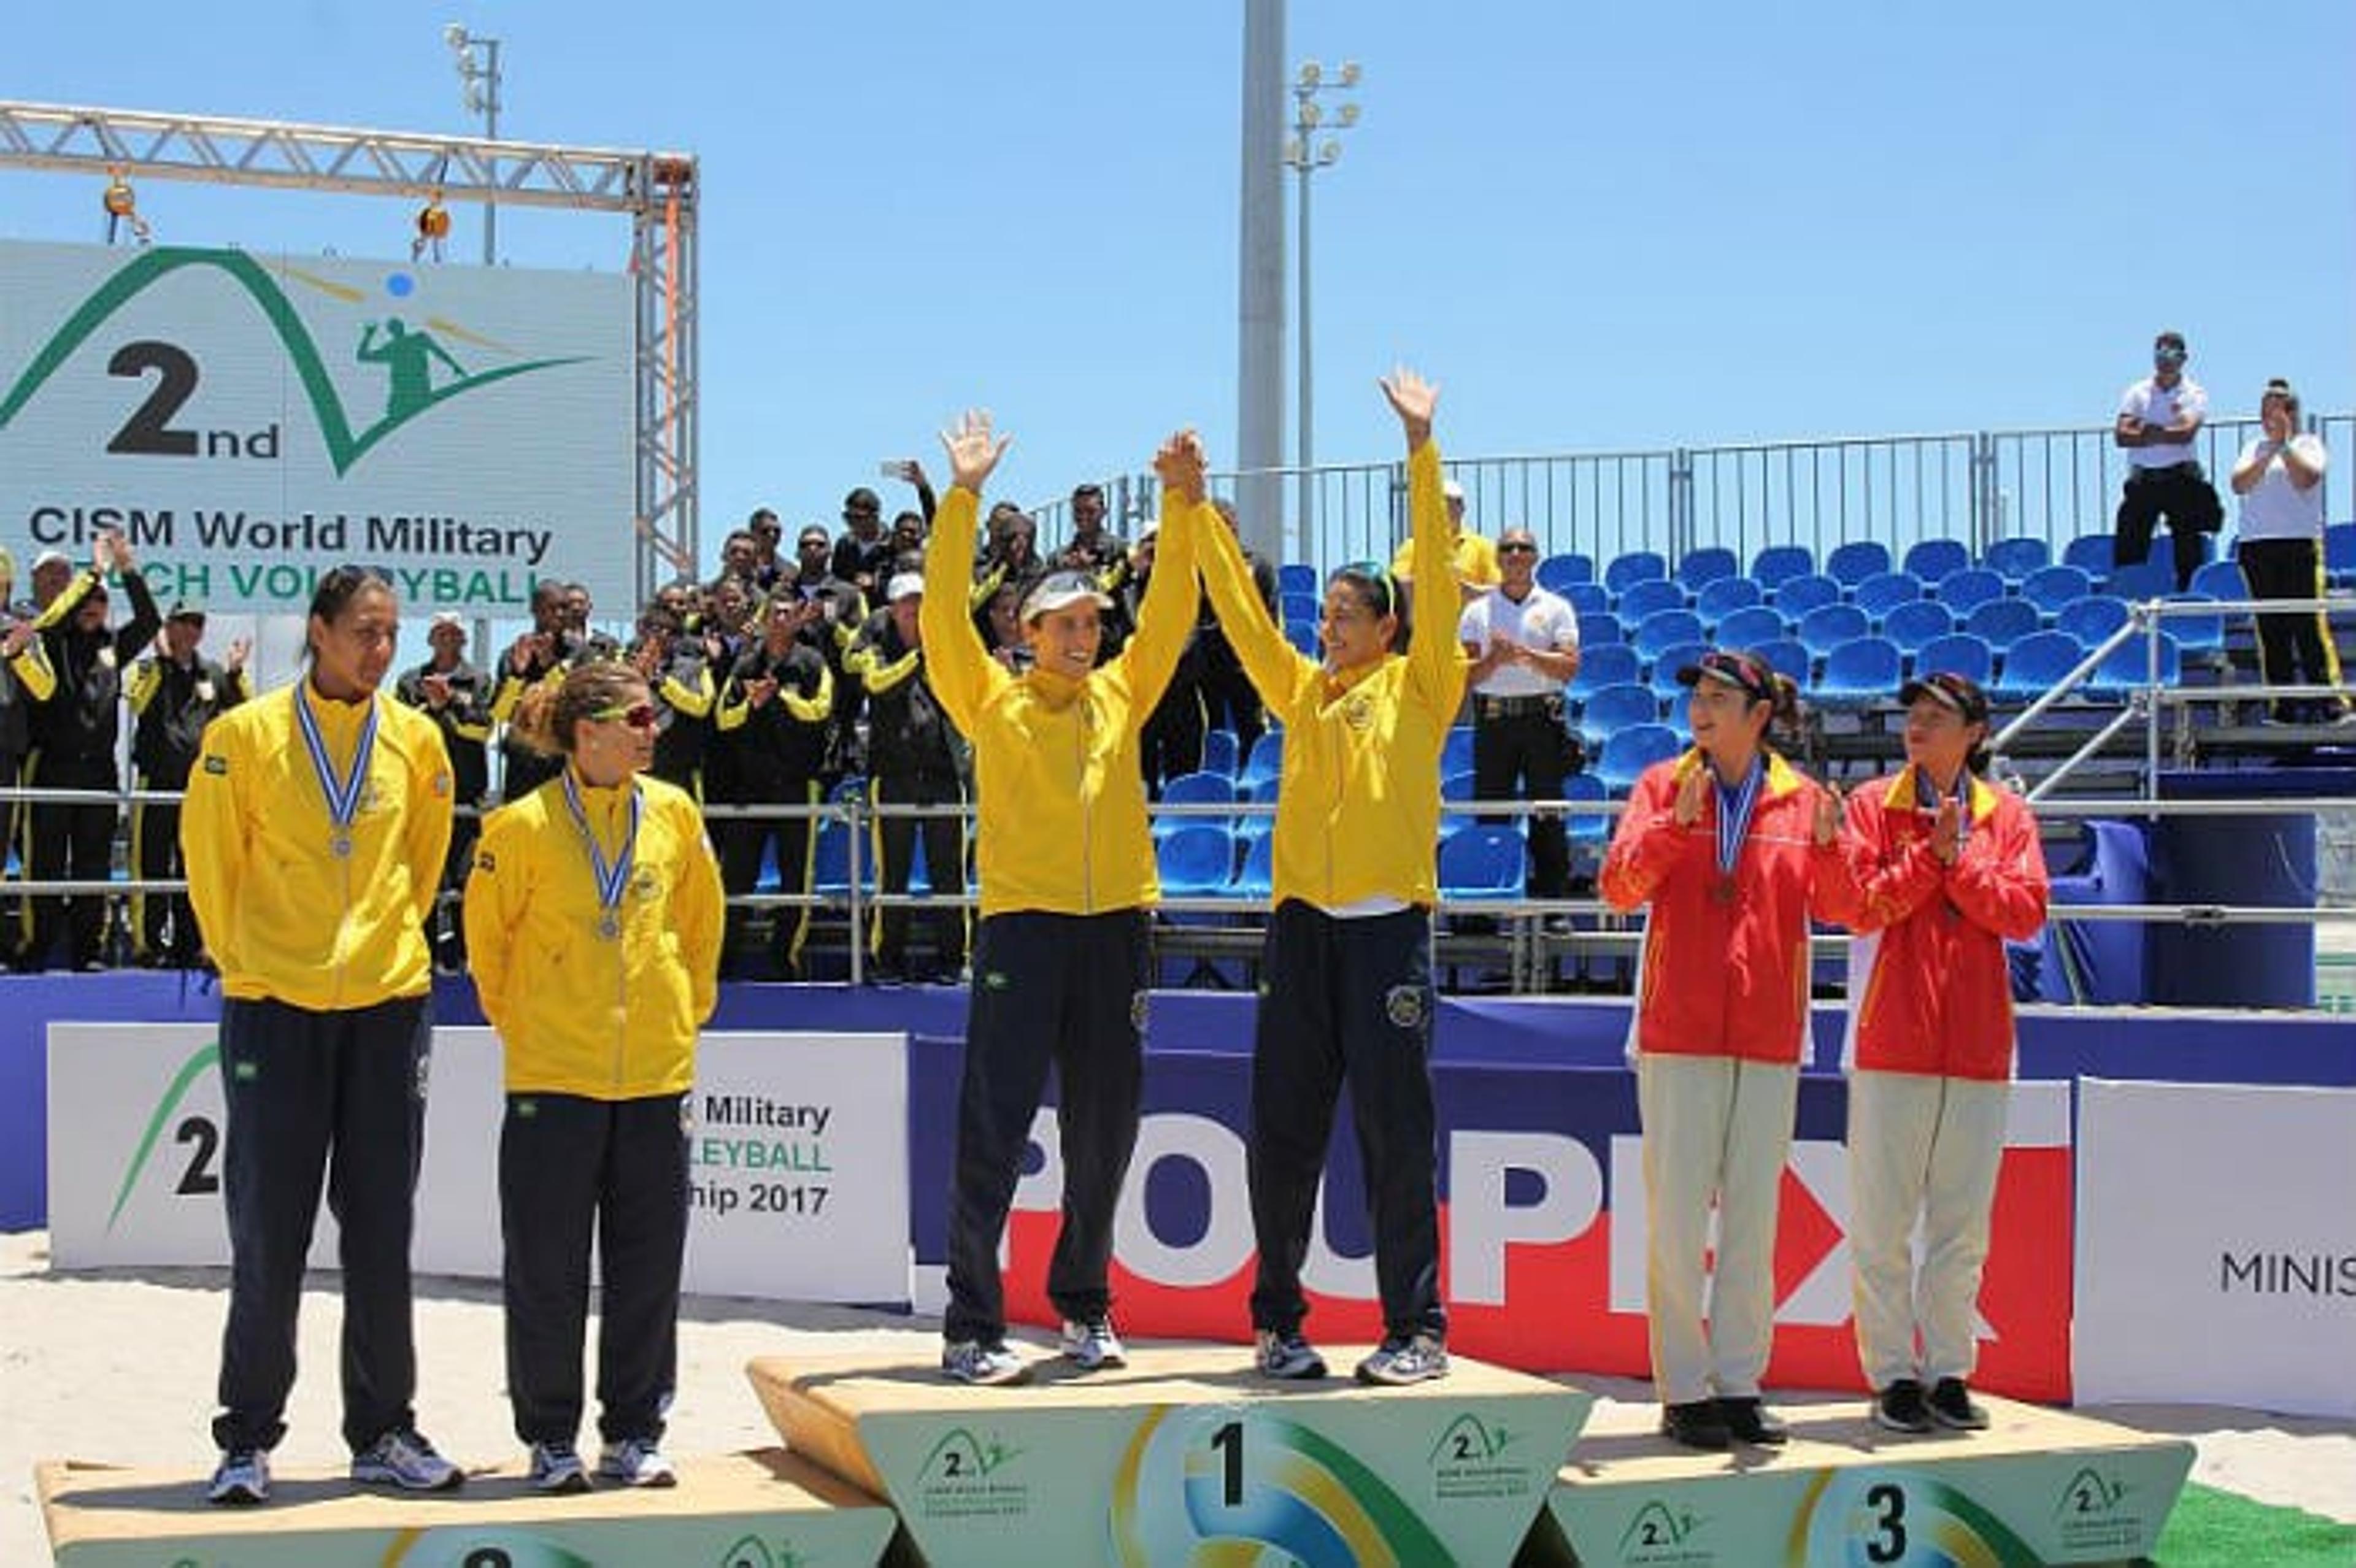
[(343, 794), (615, 879), (1735, 807)]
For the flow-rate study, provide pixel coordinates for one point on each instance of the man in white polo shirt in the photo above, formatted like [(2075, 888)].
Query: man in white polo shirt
[(2158, 417), (2279, 479), (1523, 645)]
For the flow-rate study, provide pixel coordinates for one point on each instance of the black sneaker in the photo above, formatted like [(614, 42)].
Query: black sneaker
[(1899, 1408), (1697, 1424), (1952, 1406), (1749, 1421)]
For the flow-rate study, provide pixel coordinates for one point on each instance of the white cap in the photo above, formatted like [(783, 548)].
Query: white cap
[(49, 558), (1451, 490), (446, 618), (904, 585)]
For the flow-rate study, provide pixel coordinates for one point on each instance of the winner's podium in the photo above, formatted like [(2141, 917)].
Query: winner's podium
[(767, 1510), (2039, 1487), (1185, 1455)]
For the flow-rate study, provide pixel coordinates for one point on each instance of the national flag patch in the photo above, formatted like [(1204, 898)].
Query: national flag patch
[(216, 765)]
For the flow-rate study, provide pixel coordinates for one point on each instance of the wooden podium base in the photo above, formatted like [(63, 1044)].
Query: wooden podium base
[(2039, 1486), (1186, 1455), (768, 1509)]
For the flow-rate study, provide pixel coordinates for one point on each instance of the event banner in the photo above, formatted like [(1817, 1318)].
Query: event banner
[(2217, 1245), (248, 420), (798, 1153), (1542, 1219)]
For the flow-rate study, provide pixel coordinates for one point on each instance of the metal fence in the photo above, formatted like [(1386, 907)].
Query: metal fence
[(1976, 486)]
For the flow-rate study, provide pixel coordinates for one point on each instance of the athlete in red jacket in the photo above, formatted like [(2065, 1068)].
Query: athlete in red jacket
[(1948, 868)]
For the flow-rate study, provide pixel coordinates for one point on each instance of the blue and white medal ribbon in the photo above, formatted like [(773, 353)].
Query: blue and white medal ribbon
[(1735, 807), (343, 794), (613, 880)]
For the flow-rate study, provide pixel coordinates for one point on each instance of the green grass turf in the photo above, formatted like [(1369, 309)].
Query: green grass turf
[(2212, 1529)]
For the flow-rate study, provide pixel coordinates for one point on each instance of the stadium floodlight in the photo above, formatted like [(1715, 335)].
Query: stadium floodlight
[(1305, 154), (477, 59)]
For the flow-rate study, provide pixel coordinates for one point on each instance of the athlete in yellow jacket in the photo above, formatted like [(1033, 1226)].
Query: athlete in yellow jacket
[(313, 830), (1067, 876), (593, 926), (1347, 990)]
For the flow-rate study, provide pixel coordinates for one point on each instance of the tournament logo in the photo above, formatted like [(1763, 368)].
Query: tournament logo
[(1659, 1535), (197, 1130), (966, 1477), (1470, 1460)]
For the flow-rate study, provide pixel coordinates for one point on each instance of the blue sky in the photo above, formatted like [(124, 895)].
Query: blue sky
[(1600, 226)]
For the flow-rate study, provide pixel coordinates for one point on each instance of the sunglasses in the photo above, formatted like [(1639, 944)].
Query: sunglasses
[(637, 715), (1511, 549)]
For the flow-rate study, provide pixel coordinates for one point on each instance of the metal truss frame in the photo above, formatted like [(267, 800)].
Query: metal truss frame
[(659, 191)]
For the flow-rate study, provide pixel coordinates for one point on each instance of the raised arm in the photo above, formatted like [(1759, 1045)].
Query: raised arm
[(1273, 665), (1166, 618), (963, 674), (1435, 661)]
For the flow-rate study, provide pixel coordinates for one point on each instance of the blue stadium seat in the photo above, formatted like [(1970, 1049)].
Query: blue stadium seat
[(2194, 633), (1665, 628), (1558, 572), (1649, 596), (1853, 563), (1587, 598), (1600, 626), (1606, 663), (1662, 669), (1455, 787), (2050, 587), (1827, 627), (1631, 750), (1297, 576), (2090, 619), (1484, 862), (1860, 671), (2003, 621), (1965, 590), (1725, 595), (1750, 628), (1456, 750), (1915, 622), (1959, 653), (1258, 872), (1616, 707), (1220, 753), (1885, 590), (2340, 553), (1699, 568), (1789, 655), (2221, 580), (1303, 635), (1636, 566), (2091, 554), (1931, 559), (2014, 558), (2035, 664), (1299, 607), (2129, 667), (1267, 759), (1779, 564), (1798, 595), (1204, 788), (1586, 827), (1198, 857), (2152, 578)]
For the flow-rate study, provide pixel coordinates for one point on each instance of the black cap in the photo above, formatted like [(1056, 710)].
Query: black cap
[(1750, 675), (1959, 692), (186, 610)]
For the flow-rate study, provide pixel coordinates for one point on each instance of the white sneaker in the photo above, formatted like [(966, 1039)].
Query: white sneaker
[(636, 1462), (1093, 1345), (1286, 1356), (972, 1362), (556, 1467), (1404, 1359), (243, 1478), (406, 1460)]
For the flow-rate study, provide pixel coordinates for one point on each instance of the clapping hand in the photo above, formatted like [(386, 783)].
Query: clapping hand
[(239, 651), (1947, 832), (1689, 798), (759, 692), (1827, 815), (1414, 399), (973, 449)]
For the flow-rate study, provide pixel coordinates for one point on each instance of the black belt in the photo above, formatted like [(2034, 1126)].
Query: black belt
[(1515, 706)]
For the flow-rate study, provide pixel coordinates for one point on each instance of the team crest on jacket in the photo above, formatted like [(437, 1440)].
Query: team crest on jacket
[(1403, 1004), (1137, 1000), (1359, 713)]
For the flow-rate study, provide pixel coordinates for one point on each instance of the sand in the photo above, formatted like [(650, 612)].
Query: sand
[(117, 1366)]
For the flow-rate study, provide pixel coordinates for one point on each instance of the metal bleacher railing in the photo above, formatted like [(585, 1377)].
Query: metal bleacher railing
[(1973, 487)]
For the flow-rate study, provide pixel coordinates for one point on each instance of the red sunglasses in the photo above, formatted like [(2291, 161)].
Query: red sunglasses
[(640, 717)]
